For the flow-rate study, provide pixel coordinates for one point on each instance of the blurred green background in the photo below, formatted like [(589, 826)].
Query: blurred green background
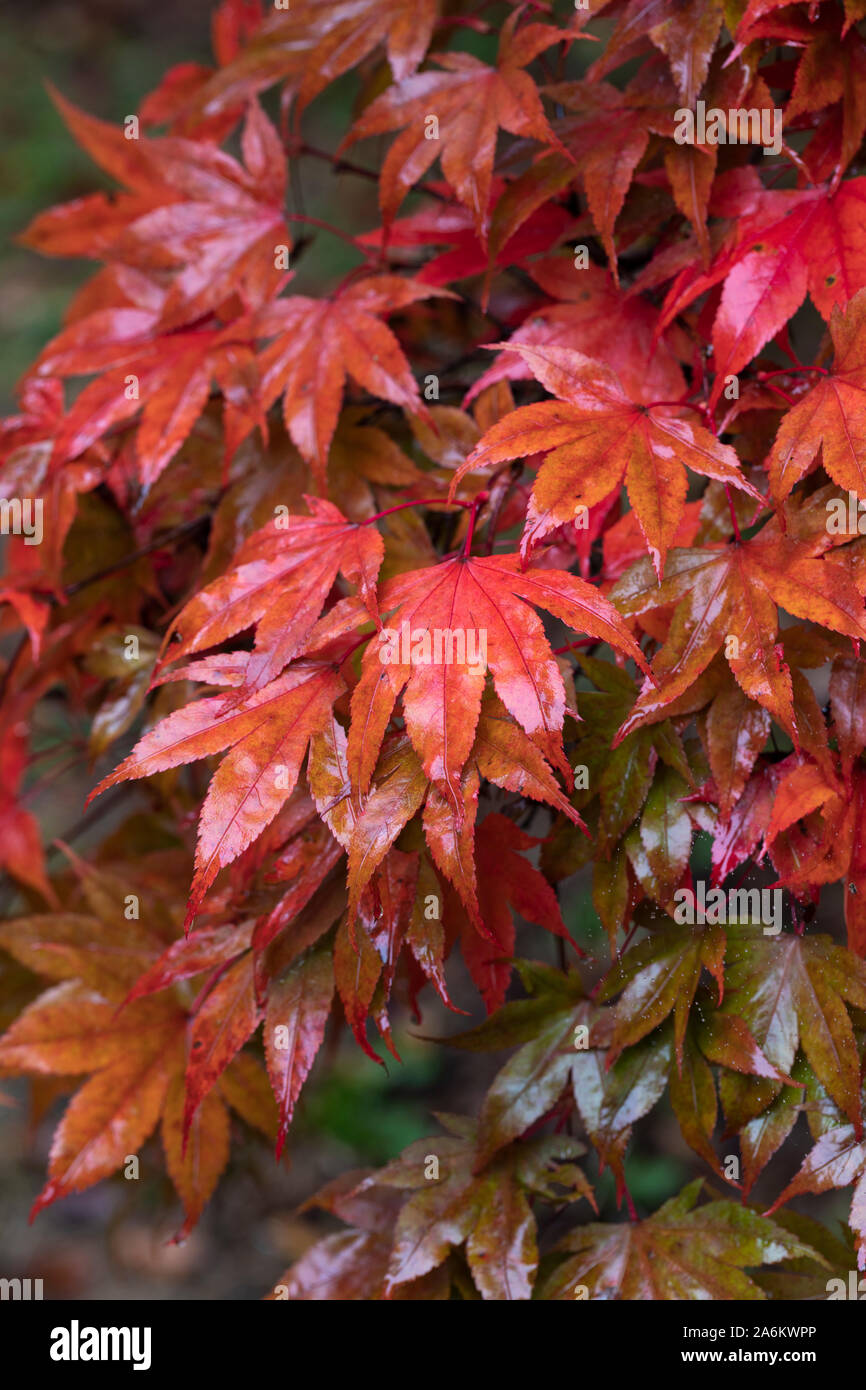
[(104, 55)]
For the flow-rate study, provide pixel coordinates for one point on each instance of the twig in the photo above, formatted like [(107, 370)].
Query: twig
[(421, 502), (734, 521), (341, 165)]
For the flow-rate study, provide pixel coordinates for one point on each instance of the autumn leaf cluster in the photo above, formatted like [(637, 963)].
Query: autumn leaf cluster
[(381, 608)]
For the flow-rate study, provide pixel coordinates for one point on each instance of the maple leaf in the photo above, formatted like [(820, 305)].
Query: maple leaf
[(232, 25), (221, 1025), (279, 581), (358, 972), (70, 1029), (660, 846), (838, 1159), (398, 792), (321, 342), (687, 38), (449, 829), (409, 1236), (789, 990), (465, 857), (740, 831), (191, 955), (107, 956), (489, 1211), (610, 1101), (194, 211), (196, 1159), (808, 1278), (621, 777), (22, 854), (505, 755), (801, 790), (592, 437), (267, 737), (469, 101), (832, 417), (531, 1082), (484, 600), (505, 880), (812, 845), (787, 244), (135, 1059), (619, 788), (659, 976), (172, 374), (315, 43), (725, 1040), (848, 709), (302, 914), (24, 438), (79, 1026), (682, 1251), (351, 1264), (443, 224), (732, 591), (831, 70), (762, 1135), (598, 319), (605, 141), (736, 731)]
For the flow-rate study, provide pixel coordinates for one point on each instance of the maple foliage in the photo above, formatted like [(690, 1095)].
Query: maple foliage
[(522, 565)]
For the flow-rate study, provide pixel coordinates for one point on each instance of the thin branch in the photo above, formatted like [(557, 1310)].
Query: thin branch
[(575, 646), (370, 253), (421, 502), (791, 371), (779, 392), (185, 529), (347, 166), (735, 523), (479, 501)]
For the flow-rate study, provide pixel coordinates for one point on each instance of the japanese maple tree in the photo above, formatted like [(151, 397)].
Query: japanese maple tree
[(382, 608)]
